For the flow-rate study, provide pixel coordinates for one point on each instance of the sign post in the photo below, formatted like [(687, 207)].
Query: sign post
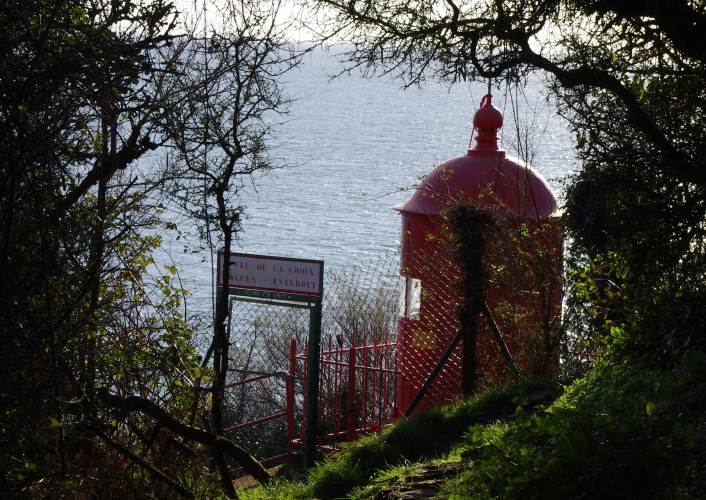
[(312, 386), (288, 282)]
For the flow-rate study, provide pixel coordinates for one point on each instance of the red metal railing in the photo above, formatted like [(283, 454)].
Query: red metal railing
[(356, 387), (262, 420), (356, 391)]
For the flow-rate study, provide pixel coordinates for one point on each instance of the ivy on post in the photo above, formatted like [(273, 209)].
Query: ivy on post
[(471, 228)]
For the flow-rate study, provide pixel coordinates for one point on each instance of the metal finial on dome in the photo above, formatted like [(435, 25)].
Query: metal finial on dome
[(487, 121)]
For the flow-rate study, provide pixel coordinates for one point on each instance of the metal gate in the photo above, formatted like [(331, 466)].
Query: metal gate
[(266, 393)]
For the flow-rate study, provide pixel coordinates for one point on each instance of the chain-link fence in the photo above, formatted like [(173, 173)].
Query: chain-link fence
[(517, 329), (261, 384), (428, 324), (358, 355)]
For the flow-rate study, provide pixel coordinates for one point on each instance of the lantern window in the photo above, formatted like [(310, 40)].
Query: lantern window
[(413, 298)]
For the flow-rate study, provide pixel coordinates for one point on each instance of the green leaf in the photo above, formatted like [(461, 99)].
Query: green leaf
[(650, 408)]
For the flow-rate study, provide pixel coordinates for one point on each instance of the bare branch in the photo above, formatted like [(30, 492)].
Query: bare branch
[(226, 446)]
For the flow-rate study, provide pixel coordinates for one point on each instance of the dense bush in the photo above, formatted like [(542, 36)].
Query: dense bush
[(619, 432), (636, 230)]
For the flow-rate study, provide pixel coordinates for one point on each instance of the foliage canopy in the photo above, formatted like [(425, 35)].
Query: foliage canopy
[(103, 392)]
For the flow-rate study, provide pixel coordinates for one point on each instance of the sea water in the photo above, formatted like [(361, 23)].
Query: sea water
[(352, 148)]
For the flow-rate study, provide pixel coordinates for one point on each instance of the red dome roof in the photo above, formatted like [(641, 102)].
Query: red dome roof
[(484, 177), (495, 182)]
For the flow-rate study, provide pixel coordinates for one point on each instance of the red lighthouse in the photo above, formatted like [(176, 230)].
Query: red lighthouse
[(524, 293)]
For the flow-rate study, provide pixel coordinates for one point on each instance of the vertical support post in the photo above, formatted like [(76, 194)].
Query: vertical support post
[(305, 386), (396, 412), (290, 394), (328, 400), (325, 366), (219, 379), (312, 399), (374, 410), (364, 388), (350, 403), (230, 315), (337, 388), (472, 229), (386, 388)]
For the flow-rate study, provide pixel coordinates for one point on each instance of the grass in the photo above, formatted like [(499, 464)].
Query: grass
[(618, 432), (432, 434)]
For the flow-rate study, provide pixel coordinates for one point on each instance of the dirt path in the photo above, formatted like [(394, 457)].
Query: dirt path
[(424, 482)]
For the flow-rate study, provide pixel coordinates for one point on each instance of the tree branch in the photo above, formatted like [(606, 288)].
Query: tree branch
[(671, 17), (226, 446), (599, 78), (142, 463), (133, 148)]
